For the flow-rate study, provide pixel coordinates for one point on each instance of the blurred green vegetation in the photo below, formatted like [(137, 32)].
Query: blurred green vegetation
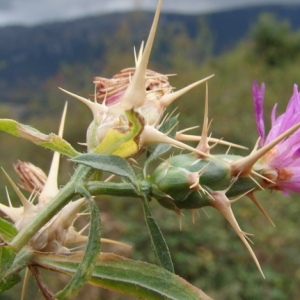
[(207, 252)]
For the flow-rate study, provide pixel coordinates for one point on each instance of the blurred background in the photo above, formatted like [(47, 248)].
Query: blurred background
[(51, 44)]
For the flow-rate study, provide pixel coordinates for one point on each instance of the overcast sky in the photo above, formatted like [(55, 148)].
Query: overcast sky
[(31, 12)]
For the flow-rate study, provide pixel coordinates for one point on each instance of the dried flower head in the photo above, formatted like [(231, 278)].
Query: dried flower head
[(31, 177)]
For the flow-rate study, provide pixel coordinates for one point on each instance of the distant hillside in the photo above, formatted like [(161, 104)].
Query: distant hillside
[(29, 55), (231, 26)]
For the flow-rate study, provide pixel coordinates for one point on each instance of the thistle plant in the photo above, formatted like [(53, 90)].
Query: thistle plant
[(130, 120)]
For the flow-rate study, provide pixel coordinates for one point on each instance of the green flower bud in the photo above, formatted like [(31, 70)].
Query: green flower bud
[(185, 181), (241, 184), (214, 172), (174, 182)]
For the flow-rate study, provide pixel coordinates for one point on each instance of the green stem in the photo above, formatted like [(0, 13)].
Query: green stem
[(51, 209), (122, 189)]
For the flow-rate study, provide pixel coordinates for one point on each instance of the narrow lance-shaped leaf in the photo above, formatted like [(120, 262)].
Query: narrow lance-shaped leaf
[(50, 141), (108, 163), (7, 256), (136, 278), (12, 264), (7, 230), (9, 282), (85, 268), (159, 244)]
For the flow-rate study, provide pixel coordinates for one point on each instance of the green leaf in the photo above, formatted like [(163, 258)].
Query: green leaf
[(12, 264), (136, 278), (85, 268), (9, 282), (56, 143), (51, 141), (22, 259), (7, 256), (159, 244), (109, 163), (7, 230)]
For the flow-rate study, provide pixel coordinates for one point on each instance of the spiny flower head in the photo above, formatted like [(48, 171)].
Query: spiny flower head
[(145, 93), (281, 165), (110, 91)]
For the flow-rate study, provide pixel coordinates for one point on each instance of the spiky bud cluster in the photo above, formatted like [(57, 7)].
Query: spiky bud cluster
[(185, 181), (190, 182), (59, 232), (146, 93)]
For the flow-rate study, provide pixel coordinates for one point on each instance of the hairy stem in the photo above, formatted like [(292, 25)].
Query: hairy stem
[(111, 188)]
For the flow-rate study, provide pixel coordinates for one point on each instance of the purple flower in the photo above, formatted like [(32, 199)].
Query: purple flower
[(283, 160)]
